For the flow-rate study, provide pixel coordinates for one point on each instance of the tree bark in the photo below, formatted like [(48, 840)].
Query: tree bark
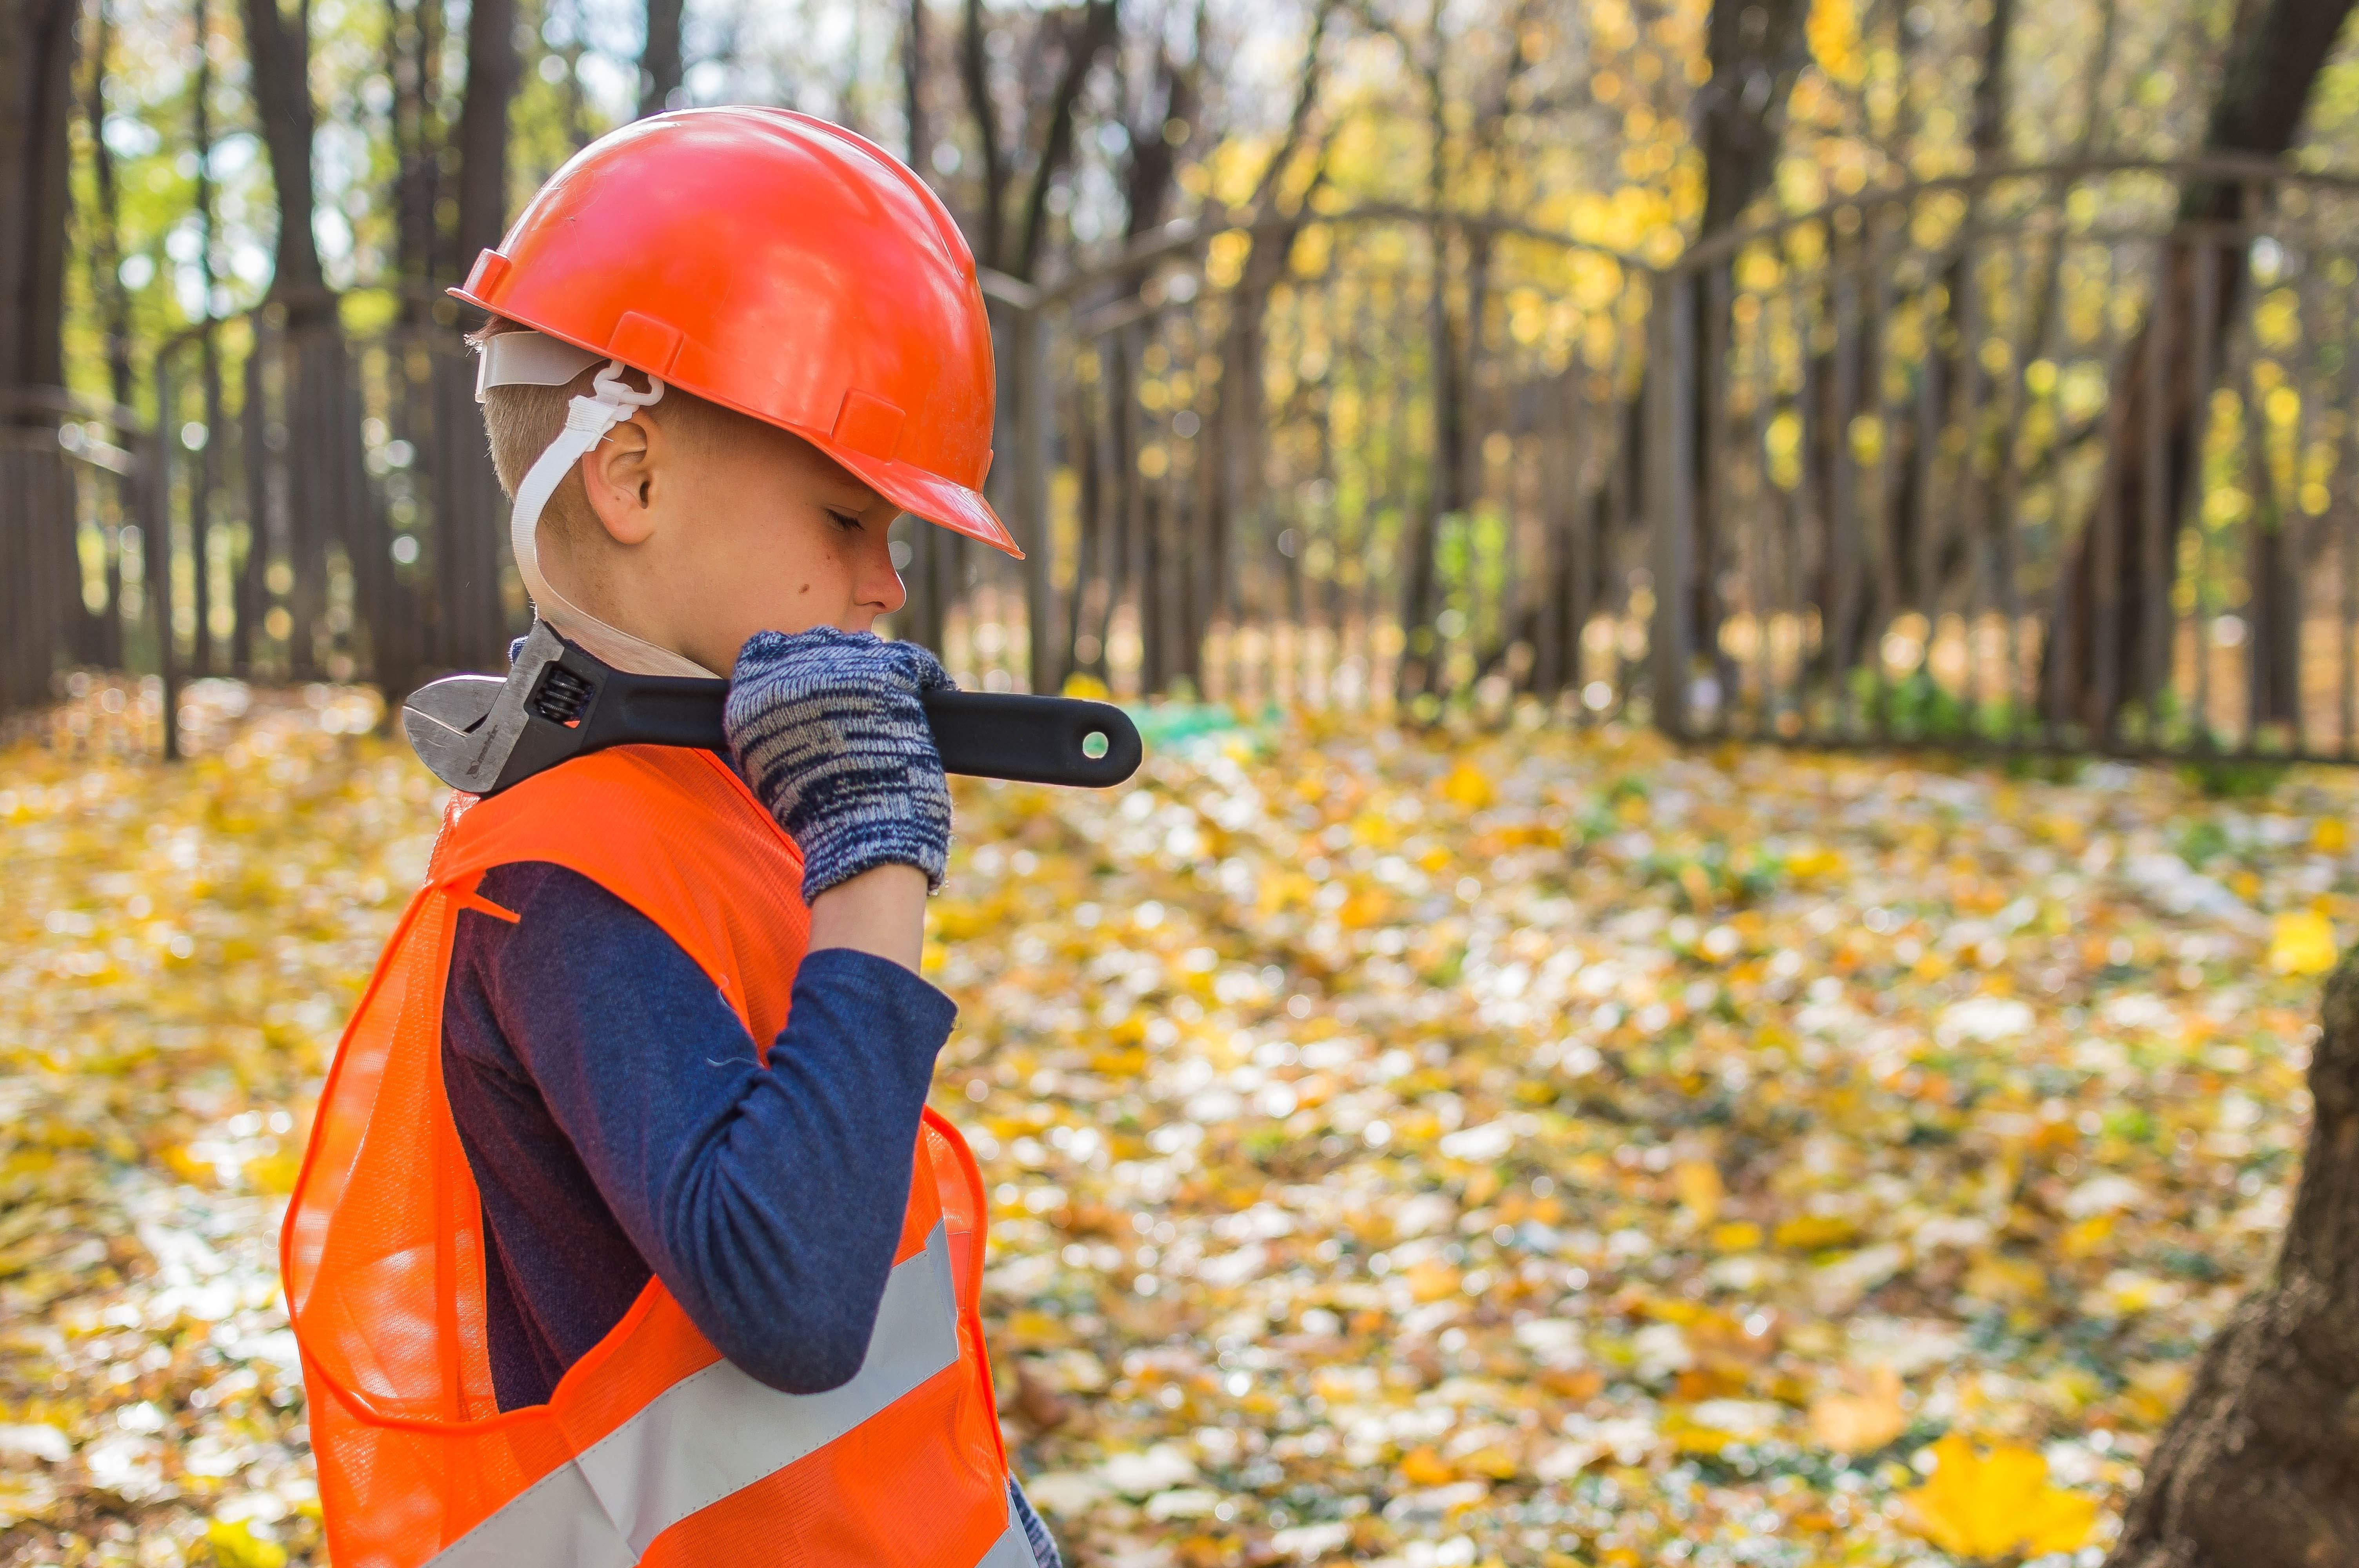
[(40, 588), (206, 480), (2260, 1466), (106, 228), (660, 65), (1088, 38), (36, 52), (413, 54), (279, 51), (1756, 48), (1151, 163), (913, 88), (114, 303), (492, 72), (975, 73), (2107, 617), (1233, 467)]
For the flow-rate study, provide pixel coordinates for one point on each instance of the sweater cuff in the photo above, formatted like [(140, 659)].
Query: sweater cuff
[(900, 1003)]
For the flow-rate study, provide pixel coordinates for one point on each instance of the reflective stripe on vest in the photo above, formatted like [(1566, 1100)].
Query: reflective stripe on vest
[(716, 1431)]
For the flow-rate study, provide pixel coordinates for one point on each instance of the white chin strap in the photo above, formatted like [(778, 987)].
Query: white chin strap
[(532, 359)]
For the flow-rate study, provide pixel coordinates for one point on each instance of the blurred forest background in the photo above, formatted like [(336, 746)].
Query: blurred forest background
[(1713, 361), (1432, 1117), (157, 145)]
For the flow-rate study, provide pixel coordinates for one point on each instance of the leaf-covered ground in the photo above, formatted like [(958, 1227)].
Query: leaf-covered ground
[(1515, 1146)]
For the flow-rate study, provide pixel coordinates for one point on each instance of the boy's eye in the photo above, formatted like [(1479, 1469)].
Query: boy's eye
[(849, 522)]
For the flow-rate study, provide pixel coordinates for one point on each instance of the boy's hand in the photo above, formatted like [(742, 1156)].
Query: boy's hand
[(826, 727)]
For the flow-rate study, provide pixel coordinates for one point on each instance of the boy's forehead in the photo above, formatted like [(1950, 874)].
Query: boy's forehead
[(849, 486)]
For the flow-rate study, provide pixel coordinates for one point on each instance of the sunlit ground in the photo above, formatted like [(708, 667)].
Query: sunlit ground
[(1517, 1147)]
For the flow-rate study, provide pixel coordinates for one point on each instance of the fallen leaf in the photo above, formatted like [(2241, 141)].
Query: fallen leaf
[(1700, 1189), (234, 1545), (1998, 1504), (2301, 942), (1864, 1418)]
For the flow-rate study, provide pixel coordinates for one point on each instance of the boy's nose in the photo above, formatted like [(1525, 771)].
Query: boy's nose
[(883, 586)]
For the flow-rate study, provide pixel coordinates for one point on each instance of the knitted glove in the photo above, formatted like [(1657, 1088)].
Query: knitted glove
[(826, 727)]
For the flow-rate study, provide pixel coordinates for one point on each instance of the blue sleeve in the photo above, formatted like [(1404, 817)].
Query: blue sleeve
[(768, 1200)]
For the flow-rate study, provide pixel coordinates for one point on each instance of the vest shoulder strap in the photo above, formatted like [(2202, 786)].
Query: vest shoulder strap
[(672, 832)]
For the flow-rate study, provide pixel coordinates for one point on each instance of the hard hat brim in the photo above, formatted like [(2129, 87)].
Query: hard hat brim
[(924, 495), (919, 492)]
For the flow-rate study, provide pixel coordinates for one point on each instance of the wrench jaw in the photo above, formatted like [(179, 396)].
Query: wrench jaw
[(465, 728), (444, 722)]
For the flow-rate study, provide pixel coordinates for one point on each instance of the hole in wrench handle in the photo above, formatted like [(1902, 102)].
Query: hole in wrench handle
[(1032, 740)]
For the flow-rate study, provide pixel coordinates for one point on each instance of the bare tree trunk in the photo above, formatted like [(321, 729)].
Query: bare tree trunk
[(660, 65), (2260, 1466), (913, 87), (1756, 48), (1420, 672), (1234, 468), (974, 72), (2102, 627), (207, 480), (114, 303), (1093, 36), (492, 70), (41, 590), (1948, 359), (414, 56), (36, 52), (1152, 162), (279, 46), (106, 226)]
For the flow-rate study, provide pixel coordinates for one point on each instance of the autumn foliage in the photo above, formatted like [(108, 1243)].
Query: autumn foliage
[(1505, 1146)]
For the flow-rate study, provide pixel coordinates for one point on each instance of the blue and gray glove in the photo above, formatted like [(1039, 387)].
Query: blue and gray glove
[(827, 727)]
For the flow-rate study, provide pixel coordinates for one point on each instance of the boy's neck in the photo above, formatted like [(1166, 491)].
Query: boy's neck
[(623, 650)]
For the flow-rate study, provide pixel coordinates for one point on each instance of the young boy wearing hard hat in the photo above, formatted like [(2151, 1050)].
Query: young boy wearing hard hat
[(626, 1235)]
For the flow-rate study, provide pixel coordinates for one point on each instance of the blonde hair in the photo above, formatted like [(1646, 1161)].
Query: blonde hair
[(519, 423)]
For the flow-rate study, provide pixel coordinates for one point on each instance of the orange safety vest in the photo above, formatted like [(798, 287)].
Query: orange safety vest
[(653, 1448)]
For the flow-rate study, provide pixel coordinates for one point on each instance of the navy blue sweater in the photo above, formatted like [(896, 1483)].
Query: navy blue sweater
[(617, 1121)]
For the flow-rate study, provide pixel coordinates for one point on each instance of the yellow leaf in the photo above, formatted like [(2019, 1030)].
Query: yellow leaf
[(2301, 943), (1833, 28), (1700, 1188), (2086, 1237), (275, 1174), (1996, 1277), (1030, 1330), (1494, 1461), (1736, 1235), (1996, 1505), (1467, 787), (1431, 1280), (1088, 687), (1814, 863), (1424, 1467), (1815, 1232), (2331, 836), (1865, 1420), (236, 1545)]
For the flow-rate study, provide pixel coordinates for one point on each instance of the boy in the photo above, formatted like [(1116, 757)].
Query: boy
[(603, 1252)]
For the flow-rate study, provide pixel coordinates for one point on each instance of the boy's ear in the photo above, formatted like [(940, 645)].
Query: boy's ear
[(622, 474)]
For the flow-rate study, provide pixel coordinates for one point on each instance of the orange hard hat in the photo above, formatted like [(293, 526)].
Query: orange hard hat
[(781, 266)]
